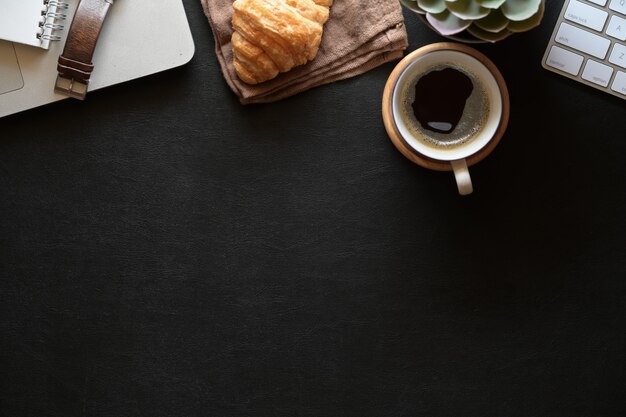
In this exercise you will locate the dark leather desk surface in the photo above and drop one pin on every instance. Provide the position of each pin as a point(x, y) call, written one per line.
point(168, 252)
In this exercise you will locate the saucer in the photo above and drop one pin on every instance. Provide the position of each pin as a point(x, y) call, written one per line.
point(396, 137)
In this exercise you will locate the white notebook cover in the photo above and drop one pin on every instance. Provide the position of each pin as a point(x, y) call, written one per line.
point(19, 21)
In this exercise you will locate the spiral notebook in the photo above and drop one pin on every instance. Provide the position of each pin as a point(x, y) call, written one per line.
point(31, 22)
point(139, 38)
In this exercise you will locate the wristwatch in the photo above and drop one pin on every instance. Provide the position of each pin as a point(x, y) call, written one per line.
point(75, 66)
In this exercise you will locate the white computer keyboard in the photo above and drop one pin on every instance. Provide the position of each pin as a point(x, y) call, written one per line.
point(588, 44)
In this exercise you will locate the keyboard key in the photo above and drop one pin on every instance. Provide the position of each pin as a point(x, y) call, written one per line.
point(617, 28)
point(618, 56)
point(564, 60)
point(589, 44)
point(619, 83)
point(597, 73)
point(582, 40)
point(586, 15)
point(618, 5)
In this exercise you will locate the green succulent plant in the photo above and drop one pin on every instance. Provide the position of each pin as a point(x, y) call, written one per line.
point(489, 20)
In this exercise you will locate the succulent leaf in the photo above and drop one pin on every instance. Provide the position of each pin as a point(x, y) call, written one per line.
point(532, 22)
point(488, 36)
point(432, 6)
point(518, 10)
point(467, 9)
point(491, 4)
point(494, 22)
point(447, 24)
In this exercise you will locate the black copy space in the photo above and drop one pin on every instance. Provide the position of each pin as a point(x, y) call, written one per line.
point(168, 252)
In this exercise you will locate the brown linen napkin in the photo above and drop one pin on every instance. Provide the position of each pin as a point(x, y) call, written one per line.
point(358, 36)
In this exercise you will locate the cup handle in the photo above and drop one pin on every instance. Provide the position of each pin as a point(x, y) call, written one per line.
point(462, 175)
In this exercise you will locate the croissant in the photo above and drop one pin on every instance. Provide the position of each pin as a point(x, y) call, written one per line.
point(273, 36)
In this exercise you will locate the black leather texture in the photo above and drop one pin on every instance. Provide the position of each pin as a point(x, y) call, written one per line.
point(166, 251)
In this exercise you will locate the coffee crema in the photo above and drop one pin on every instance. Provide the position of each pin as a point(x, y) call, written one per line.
point(445, 106)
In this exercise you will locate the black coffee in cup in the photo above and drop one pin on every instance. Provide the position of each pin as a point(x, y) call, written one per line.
point(445, 106)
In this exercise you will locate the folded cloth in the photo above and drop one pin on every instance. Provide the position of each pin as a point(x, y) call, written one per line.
point(358, 36)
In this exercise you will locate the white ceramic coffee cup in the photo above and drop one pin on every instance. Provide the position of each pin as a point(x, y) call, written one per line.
point(455, 158)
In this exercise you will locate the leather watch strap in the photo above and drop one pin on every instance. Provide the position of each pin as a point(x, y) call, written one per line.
point(75, 63)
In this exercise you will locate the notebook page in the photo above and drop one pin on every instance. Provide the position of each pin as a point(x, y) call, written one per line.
point(19, 21)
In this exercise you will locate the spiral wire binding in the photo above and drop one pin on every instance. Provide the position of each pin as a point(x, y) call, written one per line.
point(50, 15)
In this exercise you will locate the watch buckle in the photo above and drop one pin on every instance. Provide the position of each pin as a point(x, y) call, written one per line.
point(70, 87)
